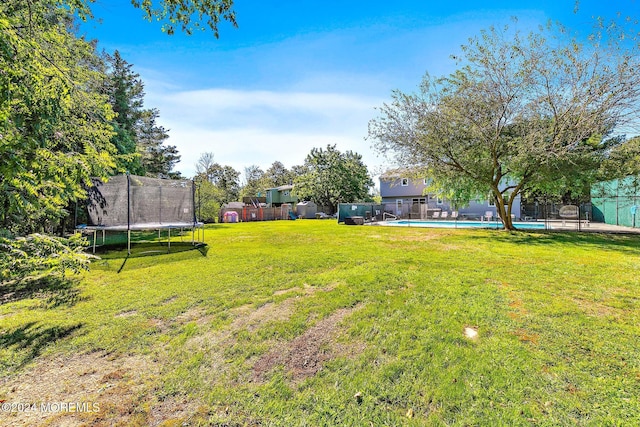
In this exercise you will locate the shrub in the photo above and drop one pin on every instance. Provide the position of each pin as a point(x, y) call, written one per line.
point(37, 256)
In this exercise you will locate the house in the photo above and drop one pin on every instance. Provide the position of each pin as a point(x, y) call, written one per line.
point(280, 195)
point(407, 197)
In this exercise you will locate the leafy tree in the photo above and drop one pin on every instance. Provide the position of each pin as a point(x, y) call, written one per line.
point(55, 125)
point(523, 114)
point(622, 160)
point(39, 256)
point(54, 136)
point(295, 171)
point(331, 177)
point(254, 182)
point(227, 179)
point(216, 185)
point(278, 175)
point(189, 15)
point(208, 198)
point(54, 131)
point(204, 166)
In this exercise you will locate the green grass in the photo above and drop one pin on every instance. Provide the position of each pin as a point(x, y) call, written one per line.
point(558, 317)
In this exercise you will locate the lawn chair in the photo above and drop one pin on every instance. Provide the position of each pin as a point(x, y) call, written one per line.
point(436, 215)
point(454, 215)
point(488, 215)
point(444, 215)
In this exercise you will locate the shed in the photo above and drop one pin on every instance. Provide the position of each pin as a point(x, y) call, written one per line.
point(306, 210)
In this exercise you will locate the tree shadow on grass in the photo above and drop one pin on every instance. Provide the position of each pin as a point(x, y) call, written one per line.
point(628, 243)
point(117, 259)
point(146, 249)
point(51, 292)
point(28, 341)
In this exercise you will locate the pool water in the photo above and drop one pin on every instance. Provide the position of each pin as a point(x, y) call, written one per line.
point(465, 224)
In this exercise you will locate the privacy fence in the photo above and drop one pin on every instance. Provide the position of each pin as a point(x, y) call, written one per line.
point(616, 202)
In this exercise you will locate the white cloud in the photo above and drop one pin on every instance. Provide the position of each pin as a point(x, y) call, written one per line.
point(244, 127)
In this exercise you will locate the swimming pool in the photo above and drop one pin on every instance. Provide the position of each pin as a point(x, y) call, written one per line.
point(464, 224)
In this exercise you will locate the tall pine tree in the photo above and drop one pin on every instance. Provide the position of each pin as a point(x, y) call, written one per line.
point(126, 96)
point(139, 140)
point(156, 158)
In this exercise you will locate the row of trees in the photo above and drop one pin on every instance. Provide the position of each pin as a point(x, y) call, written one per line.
point(327, 177)
point(67, 113)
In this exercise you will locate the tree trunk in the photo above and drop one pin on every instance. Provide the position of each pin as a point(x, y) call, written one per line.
point(503, 210)
point(508, 224)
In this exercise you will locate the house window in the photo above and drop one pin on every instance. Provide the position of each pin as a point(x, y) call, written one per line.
point(491, 202)
point(404, 182)
point(425, 181)
point(420, 201)
point(439, 200)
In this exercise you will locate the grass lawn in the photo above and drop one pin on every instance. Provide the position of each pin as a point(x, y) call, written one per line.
point(311, 323)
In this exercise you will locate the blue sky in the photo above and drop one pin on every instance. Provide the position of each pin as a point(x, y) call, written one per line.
point(301, 74)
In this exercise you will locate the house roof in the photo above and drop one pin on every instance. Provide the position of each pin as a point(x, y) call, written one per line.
point(282, 188)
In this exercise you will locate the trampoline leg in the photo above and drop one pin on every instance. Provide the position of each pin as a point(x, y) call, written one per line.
point(169, 239)
point(129, 242)
point(94, 240)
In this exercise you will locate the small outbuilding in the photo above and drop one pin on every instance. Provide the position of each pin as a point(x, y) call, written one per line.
point(230, 216)
point(306, 210)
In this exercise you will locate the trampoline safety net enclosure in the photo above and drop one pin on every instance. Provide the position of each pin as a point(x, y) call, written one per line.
point(129, 203)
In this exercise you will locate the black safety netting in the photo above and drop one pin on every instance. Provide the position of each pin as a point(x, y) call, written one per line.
point(135, 201)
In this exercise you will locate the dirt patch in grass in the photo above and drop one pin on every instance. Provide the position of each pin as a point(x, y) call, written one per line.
point(124, 388)
point(518, 310)
point(251, 318)
point(594, 309)
point(244, 317)
point(306, 289)
point(247, 316)
point(285, 291)
point(418, 236)
point(527, 337)
point(304, 356)
point(194, 314)
point(107, 389)
point(127, 313)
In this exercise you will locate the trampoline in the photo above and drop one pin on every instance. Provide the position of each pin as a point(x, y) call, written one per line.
point(129, 203)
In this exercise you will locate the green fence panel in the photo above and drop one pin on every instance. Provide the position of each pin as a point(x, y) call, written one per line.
point(616, 202)
point(365, 210)
point(597, 209)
